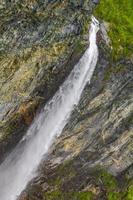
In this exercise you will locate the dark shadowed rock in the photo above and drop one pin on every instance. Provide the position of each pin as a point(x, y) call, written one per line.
point(96, 1)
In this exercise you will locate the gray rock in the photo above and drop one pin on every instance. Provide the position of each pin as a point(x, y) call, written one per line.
point(96, 1)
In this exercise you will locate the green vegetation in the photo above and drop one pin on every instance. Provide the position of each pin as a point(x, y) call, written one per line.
point(57, 195)
point(112, 186)
point(114, 196)
point(102, 185)
point(108, 180)
point(129, 193)
point(120, 17)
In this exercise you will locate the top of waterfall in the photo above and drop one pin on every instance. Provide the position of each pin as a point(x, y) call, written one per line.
point(94, 21)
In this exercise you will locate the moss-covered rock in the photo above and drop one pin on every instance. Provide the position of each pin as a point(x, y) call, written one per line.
point(72, 180)
point(57, 195)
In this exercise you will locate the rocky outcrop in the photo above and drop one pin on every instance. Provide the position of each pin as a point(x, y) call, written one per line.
point(40, 43)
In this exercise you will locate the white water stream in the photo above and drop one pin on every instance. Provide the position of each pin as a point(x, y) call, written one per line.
point(21, 164)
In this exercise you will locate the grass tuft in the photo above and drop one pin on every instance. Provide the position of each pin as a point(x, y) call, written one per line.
point(120, 17)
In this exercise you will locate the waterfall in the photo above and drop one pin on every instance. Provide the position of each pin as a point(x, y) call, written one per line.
point(21, 164)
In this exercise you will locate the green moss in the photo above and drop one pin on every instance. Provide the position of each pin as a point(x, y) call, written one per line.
point(108, 180)
point(58, 195)
point(113, 189)
point(120, 16)
point(129, 193)
point(114, 196)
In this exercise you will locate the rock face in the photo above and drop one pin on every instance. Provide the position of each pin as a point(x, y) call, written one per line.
point(97, 139)
point(40, 43)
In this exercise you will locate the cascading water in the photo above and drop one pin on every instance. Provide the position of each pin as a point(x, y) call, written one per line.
point(21, 164)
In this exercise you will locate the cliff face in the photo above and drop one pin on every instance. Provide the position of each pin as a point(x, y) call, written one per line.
point(97, 139)
point(40, 43)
